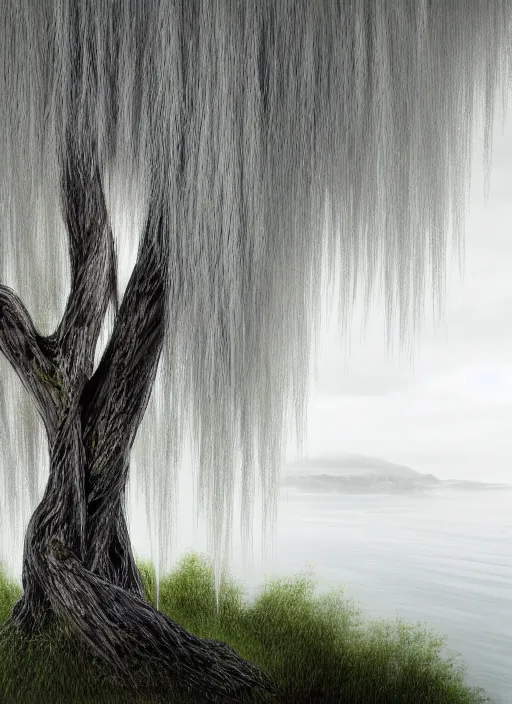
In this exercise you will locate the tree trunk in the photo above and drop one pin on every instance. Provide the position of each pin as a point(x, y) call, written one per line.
point(78, 564)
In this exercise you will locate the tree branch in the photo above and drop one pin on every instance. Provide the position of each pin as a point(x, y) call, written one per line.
point(93, 261)
point(32, 357)
point(115, 398)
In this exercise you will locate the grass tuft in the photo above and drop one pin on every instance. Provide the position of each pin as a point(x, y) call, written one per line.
point(318, 648)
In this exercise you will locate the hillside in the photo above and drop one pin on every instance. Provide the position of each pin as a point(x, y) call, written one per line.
point(349, 473)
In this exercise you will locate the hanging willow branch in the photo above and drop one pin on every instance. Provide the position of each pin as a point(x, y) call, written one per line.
point(279, 136)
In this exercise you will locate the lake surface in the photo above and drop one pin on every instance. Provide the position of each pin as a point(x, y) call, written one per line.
point(443, 559)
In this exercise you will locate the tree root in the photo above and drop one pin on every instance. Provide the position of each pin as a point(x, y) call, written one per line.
point(142, 646)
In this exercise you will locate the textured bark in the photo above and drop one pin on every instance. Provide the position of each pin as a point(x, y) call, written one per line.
point(78, 564)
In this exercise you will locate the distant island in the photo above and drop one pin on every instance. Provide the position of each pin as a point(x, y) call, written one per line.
point(357, 474)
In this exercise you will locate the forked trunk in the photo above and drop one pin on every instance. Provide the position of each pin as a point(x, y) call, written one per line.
point(78, 564)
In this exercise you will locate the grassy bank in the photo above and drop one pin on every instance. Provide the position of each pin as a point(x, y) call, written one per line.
point(318, 648)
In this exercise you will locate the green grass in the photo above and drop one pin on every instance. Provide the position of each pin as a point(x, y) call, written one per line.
point(318, 648)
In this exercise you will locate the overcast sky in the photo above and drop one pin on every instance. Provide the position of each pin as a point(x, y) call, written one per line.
point(450, 413)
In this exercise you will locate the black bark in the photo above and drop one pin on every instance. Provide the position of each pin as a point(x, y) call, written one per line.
point(78, 564)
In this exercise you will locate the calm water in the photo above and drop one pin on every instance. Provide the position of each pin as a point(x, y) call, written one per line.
point(445, 560)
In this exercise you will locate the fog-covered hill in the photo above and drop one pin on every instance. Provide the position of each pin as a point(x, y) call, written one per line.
point(345, 473)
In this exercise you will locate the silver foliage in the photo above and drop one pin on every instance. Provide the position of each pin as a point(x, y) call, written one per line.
point(285, 135)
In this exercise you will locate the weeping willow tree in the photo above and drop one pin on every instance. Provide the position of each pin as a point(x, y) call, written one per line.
point(244, 149)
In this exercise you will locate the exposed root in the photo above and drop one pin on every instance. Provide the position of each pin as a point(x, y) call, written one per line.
point(144, 648)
